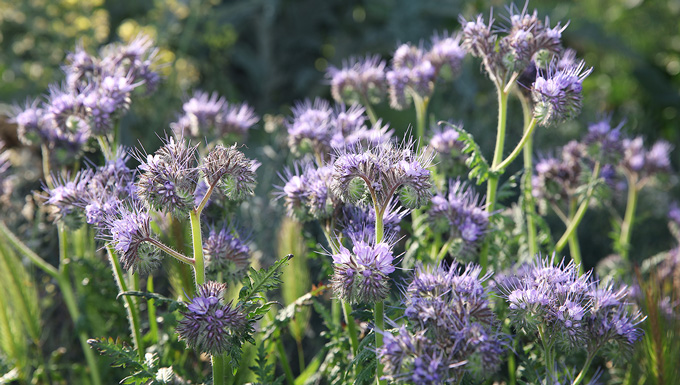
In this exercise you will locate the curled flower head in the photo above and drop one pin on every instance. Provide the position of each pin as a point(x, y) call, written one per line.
point(106, 99)
point(139, 58)
point(31, 125)
point(412, 74)
point(645, 163)
point(311, 125)
point(306, 191)
point(383, 171)
point(462, 213)
point(557, 180)
point(557, 93)
point(231, 171)
point(67, 196)
point(611, 323)
point(446, 53)
point(552, 297)
point(358, 79)
point(110, 185)
point(168, 177)
point(362, 274)
point(445, 141)
point(478, 39)
point(226, 252)
point(209, 325)
point(358, 221)
point(237, 119)
point(128, 230)
point(605, 141)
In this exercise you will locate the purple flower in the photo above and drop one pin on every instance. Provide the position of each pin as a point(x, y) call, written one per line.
point(606, 140)
point(461, 212)
point(230, 170)
point(226, 253)
point(128, 231)
point(383, 170)
point(412, 74)
point(168, 177)
point(611, 323)
point(109, 186)
point(312, 126)
point(360, 80)
point(209, 325)
point(646, 163)
point(107, 100)
point(362, 275)
point(478, 39)
point(237, 119)
point(558, 180)
point(446, 52)
point(550, 298)
point(138, 58)
point(445, 141)
point(32, 127)
point(358, 222)
point(557, 93)
point(67, 196)
point(306, 191)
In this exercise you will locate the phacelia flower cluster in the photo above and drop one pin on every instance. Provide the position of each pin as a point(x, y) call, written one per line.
point(168, 177)
point(360, 80)
point(362, 275)
point(645, 163)
point(318, 128)
point(453, 330)
point(382, 171)
point(358, 221)
point(411, 75)
point(557, 180)
point(306, 192)
point(461, 212)
point(209, 325)
point(231, 171)
point(556, 93)
point(226, 252)
point(552, 301)
point(211, 116)
point(511, 48)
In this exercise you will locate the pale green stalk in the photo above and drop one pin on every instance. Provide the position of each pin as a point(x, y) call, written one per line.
point(197, 242)
point(421, 116)
point(629, 216)
point(578, 216)
point(151, 304)
point(284, 362)
point(582, 373)
point(529, 206)
point(218, 368)
point(574, 247)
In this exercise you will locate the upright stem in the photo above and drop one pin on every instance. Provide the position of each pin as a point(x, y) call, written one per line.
point(284, 361)
point(627, 225)
point(47, 172)
point(369, 110)
point(151, 304)
point(218, 366)
point(379, 310)
point(492, 184)
point(529, 207)
point(574, 247)
point(576, 219)
point(131, 309)
point(199, 265)
point(27, 252)
point(582, 373)
point(421, 116)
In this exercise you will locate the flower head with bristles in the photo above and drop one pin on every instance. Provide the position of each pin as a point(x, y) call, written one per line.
point(209, 325)
point(412, 75)
point(306, 191)
point(168, 177)
point(383, 171)
point(362, 275)
point(557, 93)
point(230, 170)
point(312, 126)
point(358, 221)
point(446, 54)
point(359, 80)
point(226, 252)
point(66, 197)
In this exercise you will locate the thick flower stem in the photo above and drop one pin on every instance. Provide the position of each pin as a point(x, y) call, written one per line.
point(219, 368)
point(529, 206)
point(131, 309)
point(351, 326)
point(492, 183)
point(421, 116)
point(578, 216)
point(574, 247)
point(369, 109)
point(629, 216)
point(197, 239)
point(583, 372)
point(379, 330)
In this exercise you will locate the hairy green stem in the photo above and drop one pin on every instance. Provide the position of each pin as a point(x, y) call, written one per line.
point(351, 326)
point(582, 373)
point(529, 206)
point(421, 116)
point(151, 304)
point(578, 216)
point(130, 308)
point(175, 254)
point(492, 183)
point(218, 368)
point(197, 242)
point(379, 310)
point(574, 247)
point(529, 131)
point(301, 355)
point(629, 216)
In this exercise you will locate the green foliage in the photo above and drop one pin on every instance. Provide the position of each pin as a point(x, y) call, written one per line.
point(144, 372)
point(264, 371)
point(291, 241)
point(479, 167)
point(257, 282)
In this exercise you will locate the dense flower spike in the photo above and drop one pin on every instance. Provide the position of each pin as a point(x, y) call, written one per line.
point(557, 93)
point(461, 212)
point(209, 115)
point(359, 80)
point(611, 323)
point(551, 300)
point(209, 325)
point(230, 170)
point(66, 198)
point(358, 222)
point(226, 253)
point(446, 53)
point(605, 141)
point(450, 314)
point(362, 274)
point(128, 230)
point(109, 186)
point(385, 170)
point(168, 179)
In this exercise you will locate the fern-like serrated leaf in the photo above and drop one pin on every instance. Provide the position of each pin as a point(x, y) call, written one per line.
point(258, 282)
point(286, 315)
point(263, 371)
point(125, 357)
point(479, 167)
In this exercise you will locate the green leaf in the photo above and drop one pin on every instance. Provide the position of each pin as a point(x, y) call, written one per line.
point(126, 357)
point(258, 282)
point(265, 372)
point(287, 314)
point(479, 167)
point(173, 305)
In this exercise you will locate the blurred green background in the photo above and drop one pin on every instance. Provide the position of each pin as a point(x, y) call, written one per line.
point(271, 53)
